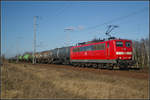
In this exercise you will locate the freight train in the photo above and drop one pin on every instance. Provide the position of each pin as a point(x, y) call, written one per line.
point(108, 53)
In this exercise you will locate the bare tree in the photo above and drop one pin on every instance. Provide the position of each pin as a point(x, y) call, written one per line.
point(141, 52)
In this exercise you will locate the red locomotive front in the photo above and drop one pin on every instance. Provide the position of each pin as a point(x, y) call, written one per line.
point(123, 49)
point(117, 51)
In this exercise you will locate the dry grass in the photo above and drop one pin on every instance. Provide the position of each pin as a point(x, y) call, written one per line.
point(28, 81)
point(22, 83)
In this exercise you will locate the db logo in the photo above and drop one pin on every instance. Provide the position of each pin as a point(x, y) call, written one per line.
point(85, 53)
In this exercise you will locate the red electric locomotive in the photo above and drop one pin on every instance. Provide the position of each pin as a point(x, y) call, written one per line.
point(115, 52)
point(109, 53)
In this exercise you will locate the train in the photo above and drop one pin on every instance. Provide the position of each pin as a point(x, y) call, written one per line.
point(106, 53)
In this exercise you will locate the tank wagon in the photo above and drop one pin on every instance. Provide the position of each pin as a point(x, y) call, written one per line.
point(27, 57)
point(61, 55)
point(43, 57)
point(38, 57)
point(20, 58)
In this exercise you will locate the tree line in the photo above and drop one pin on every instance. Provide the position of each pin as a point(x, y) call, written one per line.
point(141, 52)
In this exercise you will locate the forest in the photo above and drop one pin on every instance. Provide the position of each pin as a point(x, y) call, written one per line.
point(141, 52)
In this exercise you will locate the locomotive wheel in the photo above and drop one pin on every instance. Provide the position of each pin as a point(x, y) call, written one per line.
point(110, 67)
point(82, 65)
point(95, 66)
point(74, 65)
point(86, 65)
point(100, 66)
point(77, 65)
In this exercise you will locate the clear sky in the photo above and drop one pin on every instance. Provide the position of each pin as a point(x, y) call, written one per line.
point(87, 19)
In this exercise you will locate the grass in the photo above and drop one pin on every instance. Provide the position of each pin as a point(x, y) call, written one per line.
point(21, 83)
point(35, 81)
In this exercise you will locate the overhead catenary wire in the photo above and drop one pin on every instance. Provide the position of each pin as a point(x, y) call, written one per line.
point(116, 19)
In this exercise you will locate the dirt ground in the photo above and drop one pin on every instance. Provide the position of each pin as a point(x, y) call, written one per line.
point(63, 81)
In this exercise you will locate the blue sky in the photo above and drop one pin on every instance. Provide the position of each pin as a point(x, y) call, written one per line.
point(82, 17)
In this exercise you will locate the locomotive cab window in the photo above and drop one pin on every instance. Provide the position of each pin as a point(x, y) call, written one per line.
point(128, 44)
point(119, 44)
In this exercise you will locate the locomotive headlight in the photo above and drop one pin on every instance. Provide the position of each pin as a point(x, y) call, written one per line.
point(120, 57)
point(119, 53)
point(129, 53)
